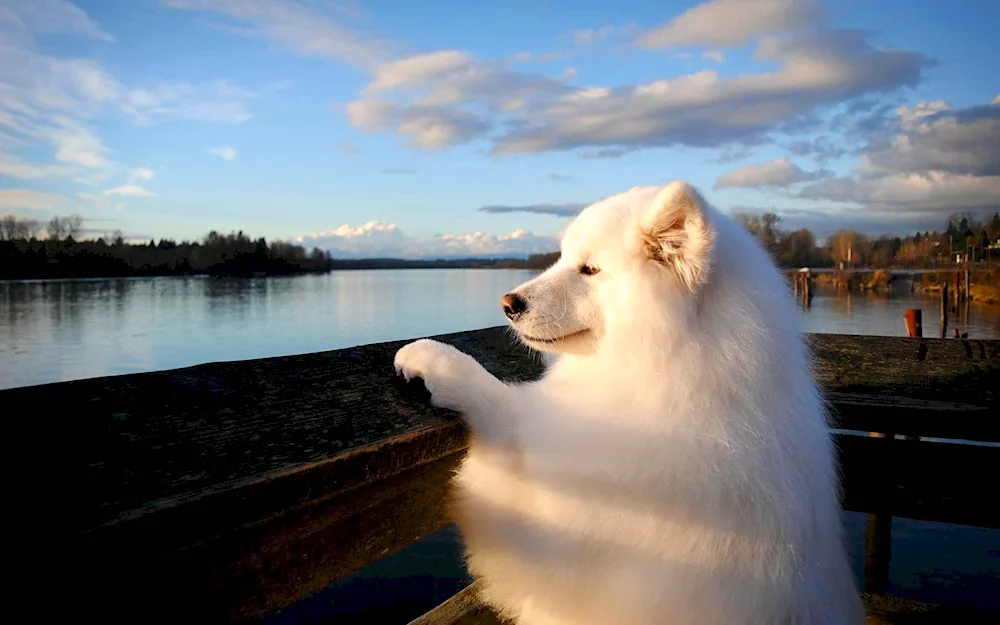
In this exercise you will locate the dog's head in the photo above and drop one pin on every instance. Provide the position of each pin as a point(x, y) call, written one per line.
point(625, 260)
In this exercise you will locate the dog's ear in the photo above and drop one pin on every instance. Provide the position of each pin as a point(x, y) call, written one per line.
point(677, 233)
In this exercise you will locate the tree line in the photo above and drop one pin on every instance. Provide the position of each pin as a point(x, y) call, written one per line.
point(62, 253)
point(963, 235)
point(56, 249)
point(29, 249)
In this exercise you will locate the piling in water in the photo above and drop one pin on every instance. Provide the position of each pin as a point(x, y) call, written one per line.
point(914, 322)
point(944, 310)
point(915, 328)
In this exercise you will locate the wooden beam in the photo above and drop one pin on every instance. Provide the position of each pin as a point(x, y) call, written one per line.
point(466, 609)
point(866, 412)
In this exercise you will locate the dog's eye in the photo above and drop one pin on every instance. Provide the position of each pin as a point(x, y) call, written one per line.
point(589, 270)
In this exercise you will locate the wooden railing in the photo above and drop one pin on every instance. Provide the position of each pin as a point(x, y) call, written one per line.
point(224, 492)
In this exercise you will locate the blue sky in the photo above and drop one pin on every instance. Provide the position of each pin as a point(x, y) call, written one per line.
point(407, 129)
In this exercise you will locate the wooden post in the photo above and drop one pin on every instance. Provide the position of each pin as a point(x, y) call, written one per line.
point(806, 286)
point(878, 532)
point(944, 310)
point(967, 298)
point(914, 322)
point(878, 551)
point(915, 328)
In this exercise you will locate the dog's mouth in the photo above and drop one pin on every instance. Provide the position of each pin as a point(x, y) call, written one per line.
point(558, 339)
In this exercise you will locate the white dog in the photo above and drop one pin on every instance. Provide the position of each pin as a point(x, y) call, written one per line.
point(674, 464)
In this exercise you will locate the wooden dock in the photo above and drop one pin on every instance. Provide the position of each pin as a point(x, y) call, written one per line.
point(225, 492)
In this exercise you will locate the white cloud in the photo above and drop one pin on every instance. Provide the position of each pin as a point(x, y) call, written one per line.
point(28, 199)
point(100, 201)
point(531, 57)
point(728, 23)
point(142, 173)
point(418, 69)
point(424, 127)
point(50, 17)
point(780, 172)
point(73, 144)
point(49, 102)
point(130, 190)
point(448, 97)
point(933, 137)
point(707, 110)
point(14, 167)
point(300, 27)
point(931, 191)
point(520, 242)
point(442, 98)
point(593, 36)
point(940, 160)
point(35, 82)
point(381, 239)
point(224, 152)
point(714, 55)
point(371, 115)
point(432, 129)
point(218, 102)
point(76, 144)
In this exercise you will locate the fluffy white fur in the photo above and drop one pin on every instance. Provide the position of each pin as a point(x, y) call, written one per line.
point(674, 465)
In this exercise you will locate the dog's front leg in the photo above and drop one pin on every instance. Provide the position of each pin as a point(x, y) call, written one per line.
point(457, 382)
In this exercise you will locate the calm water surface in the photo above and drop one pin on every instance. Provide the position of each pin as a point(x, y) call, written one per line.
point(52, 331)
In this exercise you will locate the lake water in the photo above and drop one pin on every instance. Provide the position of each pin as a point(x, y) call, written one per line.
point(53, 331)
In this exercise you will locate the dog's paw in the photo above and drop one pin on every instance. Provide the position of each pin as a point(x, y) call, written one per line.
point(427, 358)
point(441, 367)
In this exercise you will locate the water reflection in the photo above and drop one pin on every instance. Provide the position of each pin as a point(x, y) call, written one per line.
point(61, 330)
point(881, 313)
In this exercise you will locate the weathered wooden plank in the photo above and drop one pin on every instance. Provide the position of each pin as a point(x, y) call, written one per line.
point(888, 610)
point(465, 609)
point(244, 573)
point(148, 441)
point(949, 370)
point(868, 412)
point(462, 609)
point(923, 480)
point(251, 570)
point(241, 487)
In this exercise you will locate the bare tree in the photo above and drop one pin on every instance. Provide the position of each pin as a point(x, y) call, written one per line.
point(56, 229)
point(74, 226)
point(850, 247)
point(13, 228)
point(60, 228)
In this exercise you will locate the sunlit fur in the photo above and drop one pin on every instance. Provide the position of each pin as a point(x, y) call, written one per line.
point(673, 465)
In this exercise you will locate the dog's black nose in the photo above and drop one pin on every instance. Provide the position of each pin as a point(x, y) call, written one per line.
point(513, 305)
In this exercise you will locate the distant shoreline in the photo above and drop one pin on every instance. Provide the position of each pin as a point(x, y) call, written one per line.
point(537, 262)
point(49, 260)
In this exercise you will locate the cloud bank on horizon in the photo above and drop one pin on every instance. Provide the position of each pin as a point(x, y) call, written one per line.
point(440, 132)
